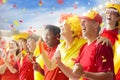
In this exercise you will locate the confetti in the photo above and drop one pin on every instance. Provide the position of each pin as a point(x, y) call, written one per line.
point(30, 27)
point(75, 6)
point(16, 23)
point(104, 60)
point(14, 6)
point(34, 30)
point(51, 12)
point(60, 1)
point(12, 26)
point(30, 32)
point(40, 3)
point(3, 1)
point(20, 21)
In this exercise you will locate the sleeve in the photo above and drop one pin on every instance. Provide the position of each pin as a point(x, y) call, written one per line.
point(104, 58)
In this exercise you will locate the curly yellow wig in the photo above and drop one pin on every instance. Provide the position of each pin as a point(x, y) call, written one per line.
point(74, 22)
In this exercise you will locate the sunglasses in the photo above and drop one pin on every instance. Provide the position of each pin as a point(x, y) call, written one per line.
point(112, 12)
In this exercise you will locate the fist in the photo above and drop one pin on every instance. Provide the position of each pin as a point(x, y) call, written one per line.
point(57, 56)
point(78, 70)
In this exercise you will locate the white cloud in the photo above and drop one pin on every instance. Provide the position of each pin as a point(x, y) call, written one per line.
point(35, 17)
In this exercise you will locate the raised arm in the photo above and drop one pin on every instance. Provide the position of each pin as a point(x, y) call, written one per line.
point(50, 63)
point(10, 67)
point(2, 68)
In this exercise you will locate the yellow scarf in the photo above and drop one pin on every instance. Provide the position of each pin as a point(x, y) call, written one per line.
point(69, 55)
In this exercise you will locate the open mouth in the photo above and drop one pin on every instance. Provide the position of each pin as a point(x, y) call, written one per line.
point(108, 18)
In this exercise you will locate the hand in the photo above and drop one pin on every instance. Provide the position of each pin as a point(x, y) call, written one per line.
point(36, 66)
point(57, 56)
point(78, 70)
point(103, 40)
point(4, 56)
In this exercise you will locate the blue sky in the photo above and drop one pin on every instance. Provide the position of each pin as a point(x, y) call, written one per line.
point(24, 14)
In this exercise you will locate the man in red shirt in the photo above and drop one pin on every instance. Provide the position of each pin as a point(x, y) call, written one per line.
point(95, 62)
point(52, 39)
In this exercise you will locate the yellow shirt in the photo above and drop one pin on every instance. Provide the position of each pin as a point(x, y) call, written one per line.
point(116, 50)
point(39, 60)
point(69, 55)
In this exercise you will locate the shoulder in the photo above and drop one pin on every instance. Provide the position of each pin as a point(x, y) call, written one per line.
point(104, 47)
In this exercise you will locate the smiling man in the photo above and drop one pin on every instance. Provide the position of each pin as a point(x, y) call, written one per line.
point(95, 62)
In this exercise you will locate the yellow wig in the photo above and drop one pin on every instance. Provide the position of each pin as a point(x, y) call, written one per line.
point(74, 22)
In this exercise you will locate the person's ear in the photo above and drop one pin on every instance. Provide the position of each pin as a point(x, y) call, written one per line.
point(57, 36)
point(96, 24)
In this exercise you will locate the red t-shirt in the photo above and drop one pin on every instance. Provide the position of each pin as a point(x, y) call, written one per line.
point(1, 62)
point(96, 58)
point(8, 75)
point(55, 74)
point(111, 34)
point(26, 71)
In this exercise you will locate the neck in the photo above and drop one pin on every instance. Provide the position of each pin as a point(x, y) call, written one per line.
point(69, 41)
point(111, 26)
point(92, 39)
point(54, 45)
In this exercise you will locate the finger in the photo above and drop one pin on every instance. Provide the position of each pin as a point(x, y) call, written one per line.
point(104, 43)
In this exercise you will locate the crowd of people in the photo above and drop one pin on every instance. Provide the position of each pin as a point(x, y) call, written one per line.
point(78, 49)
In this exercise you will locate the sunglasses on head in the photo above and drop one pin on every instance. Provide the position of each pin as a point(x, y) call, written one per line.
point(112, 11)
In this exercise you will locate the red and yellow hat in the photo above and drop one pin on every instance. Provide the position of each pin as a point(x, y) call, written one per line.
point(92, 15)
point(112, 5)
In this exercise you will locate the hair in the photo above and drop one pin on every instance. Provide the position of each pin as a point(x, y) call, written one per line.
point(54, 29)
point(18, 50)
point(74, 22)
point(117, 23)
point(34, 36)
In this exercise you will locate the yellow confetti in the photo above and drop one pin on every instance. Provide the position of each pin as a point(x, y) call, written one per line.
point(16, 23)
point(4, 1)
point(104, 60)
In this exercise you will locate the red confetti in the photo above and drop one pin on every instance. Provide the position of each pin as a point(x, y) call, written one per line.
point(34, 30)
point(20, 21)
point(40, 3)
point(51, 12)
point(14, 6)
point(30, 32)
point(60, 1)
point(75, 6)
point(12, 26)
point(1, 2)
point(30, 27)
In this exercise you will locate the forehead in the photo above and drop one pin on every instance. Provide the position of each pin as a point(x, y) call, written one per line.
point(112, 9)
point(86, 20)
point(48, 31)
point(12, 42)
